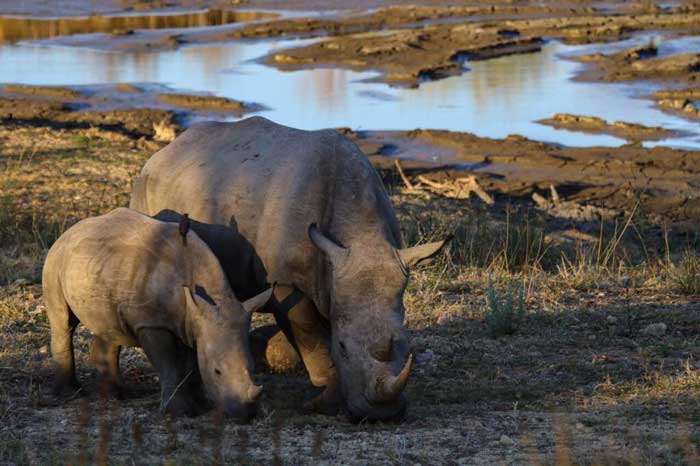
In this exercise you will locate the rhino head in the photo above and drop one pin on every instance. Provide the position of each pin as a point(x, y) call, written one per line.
point(223, 352)
point(369, 346)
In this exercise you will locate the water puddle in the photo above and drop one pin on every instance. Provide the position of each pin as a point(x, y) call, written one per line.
point(14, 29)
point(496, 98)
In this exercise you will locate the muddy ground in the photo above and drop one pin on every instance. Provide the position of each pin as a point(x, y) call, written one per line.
point(601, 369)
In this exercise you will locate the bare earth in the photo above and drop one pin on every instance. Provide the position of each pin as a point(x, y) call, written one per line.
point(602, 368)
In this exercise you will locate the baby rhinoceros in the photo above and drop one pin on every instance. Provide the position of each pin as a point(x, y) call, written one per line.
point(136, 281)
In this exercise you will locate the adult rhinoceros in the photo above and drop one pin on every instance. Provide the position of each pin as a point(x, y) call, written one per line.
point(319, 221)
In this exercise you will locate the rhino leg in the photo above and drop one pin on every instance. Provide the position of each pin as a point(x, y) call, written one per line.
point(105, 355)
point(161, 348)
point(63, 323)
point(195, 385)
point(304, 329)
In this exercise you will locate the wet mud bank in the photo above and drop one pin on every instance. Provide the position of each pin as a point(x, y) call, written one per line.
point(682, 102)
point(13, 29)
point(150, 111)
point(658, 181)
point(593, 125)
point(406, 57)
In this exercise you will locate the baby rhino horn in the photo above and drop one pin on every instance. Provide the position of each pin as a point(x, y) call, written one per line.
point(254, 392)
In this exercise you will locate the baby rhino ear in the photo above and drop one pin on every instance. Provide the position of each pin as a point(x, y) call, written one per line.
point(256, 302)
point(421, 253)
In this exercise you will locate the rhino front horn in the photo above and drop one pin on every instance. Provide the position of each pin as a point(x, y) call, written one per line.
point(392, 386)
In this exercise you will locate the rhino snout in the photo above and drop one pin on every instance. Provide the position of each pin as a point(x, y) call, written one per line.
point(361, 410)
point(242, 412)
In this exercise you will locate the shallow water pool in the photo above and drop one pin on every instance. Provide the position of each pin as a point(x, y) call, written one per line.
point(495, 98)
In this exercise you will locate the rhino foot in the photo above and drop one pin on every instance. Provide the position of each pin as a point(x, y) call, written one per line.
point(67, 389)
point(179, 406)
point(326, 403)
point(112, 389)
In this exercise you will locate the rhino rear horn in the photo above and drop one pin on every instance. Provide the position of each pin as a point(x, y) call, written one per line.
point(325, 244)
point(417, 254)
point(256, 302)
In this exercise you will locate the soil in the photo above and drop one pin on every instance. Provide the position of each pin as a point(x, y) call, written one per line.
point(601, 370)
point(131, 108)
point(13, 29)
point(660, 181)
point(406, 57)
point(621, 129)
point(682, 102)
point(641, 63)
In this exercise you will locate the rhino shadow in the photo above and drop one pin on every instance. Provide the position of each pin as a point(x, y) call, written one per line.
point(248, 277)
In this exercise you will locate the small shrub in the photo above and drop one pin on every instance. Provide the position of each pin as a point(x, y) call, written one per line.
point(686, 275)
point(503, 316)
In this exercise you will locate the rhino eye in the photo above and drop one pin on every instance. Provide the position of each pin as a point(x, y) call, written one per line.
point(217, 372)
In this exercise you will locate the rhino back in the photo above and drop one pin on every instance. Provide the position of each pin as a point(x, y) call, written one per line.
point(273, 181)
point(118, 273)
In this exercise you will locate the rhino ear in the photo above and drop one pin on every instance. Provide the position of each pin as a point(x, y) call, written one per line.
point(256, 302)
point(424, 252)
point(195, 302)
point(325, 244)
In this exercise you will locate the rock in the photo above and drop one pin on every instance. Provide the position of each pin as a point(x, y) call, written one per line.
point(21, 282)
point(579, 426)
point(424, 357)
point(44, 350)
point(656, 330)
point(506, 441)
point(612, 320)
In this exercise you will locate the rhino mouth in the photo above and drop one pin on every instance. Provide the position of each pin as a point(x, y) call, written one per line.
point(361, 409)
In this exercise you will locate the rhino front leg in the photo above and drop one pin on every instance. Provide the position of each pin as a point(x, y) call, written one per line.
point(298, 318)
point(105, 356)
point(161, 348)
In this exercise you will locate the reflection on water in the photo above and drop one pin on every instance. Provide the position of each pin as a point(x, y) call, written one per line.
point(13, 29)
point(496, 98)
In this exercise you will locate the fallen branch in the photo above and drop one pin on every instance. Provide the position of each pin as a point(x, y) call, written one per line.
point(403, 176)
point(461, 188)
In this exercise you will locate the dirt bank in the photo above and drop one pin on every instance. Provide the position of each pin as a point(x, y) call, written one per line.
point(660, 181)
point(683, 102)
point(123, 36)
point(408, 56)
point(621, 129)
point(642, 63)
point(14, 29)
point(134, 109)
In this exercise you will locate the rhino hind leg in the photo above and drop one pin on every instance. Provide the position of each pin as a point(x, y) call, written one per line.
point(63, 323)
point(161, 348)
point(305, 331)
point(105, 355)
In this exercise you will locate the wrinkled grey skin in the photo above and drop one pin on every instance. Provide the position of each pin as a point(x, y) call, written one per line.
point(132, 282)
point(319, 219)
